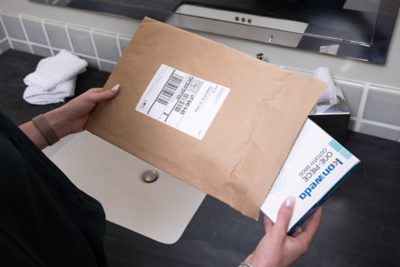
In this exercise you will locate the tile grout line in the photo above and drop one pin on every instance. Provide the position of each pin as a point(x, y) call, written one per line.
point(361, 108)
point(57, 22)
point(95, 48)
point(4, 39)
point(68, 37)
point(46, 36)
point(385, 88)
point(72, 25)
point(6, 31)
point(381, 124)
point(118, 45)
point(79, 54)
point(25, 33)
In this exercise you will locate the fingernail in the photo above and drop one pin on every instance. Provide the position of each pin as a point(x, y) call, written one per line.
point(115, 87)
point(289, 202)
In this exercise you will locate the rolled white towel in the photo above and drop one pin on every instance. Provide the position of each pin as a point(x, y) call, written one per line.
point(55, 69)
point(37, 96)
point(54, 79)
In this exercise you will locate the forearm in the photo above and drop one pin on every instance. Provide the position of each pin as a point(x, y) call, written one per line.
point(32, 131)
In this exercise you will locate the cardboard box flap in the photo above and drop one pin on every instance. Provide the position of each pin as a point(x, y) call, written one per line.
point(250, 136)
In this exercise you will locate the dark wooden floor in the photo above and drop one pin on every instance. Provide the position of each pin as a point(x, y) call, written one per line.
point(360, 224)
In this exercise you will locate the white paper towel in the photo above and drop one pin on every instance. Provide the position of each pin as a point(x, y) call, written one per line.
point(329, 97)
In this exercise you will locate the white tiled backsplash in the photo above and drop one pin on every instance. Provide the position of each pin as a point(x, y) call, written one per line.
point(47, 37)
point(375, 109)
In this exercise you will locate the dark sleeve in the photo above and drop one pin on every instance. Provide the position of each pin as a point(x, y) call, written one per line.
point(45, 220)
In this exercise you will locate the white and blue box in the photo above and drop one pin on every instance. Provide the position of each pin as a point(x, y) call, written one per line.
point(316, 165)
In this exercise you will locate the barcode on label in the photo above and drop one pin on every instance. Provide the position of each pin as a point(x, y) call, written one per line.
point(170, 88)
point(182, 102)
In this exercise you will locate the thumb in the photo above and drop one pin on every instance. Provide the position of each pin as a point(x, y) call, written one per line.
point(97, 95)
point(284, 215)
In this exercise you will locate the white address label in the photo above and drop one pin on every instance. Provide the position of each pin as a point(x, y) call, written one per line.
point(182, 101)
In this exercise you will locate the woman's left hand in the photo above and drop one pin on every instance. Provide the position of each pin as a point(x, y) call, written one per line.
point(72, 117)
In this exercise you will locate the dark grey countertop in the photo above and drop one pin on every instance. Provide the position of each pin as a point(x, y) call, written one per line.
point(360, 225)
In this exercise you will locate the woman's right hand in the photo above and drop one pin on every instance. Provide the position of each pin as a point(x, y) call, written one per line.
point(276, 248)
